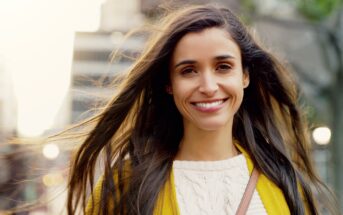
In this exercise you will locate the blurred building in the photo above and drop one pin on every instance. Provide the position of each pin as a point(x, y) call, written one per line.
point(93, 70)
point(7, 101)
point(7, 128)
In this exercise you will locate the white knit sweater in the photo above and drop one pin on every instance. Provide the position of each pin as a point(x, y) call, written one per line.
point(213, 187)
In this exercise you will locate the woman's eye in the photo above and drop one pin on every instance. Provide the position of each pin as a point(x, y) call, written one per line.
point(187, 71)
point(224, 67)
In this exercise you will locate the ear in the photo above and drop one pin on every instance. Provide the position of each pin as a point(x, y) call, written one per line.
point(246, 78)
point(169, 89)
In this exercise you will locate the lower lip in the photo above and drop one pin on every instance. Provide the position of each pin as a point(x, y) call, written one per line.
point(209, 109)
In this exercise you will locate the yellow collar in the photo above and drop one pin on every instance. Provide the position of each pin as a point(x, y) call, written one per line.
point(271, 196)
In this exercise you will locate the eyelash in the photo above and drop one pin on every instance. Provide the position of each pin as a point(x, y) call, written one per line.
point(219, 67)
point(187, 70)
point(226, 67)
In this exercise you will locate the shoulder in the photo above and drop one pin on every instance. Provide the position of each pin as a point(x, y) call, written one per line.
point(271, 195)
point(94, 200)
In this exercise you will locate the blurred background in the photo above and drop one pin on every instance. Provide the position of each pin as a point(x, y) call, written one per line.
point(55, 57)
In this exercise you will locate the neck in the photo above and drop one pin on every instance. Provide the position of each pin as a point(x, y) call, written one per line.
point(199, 144)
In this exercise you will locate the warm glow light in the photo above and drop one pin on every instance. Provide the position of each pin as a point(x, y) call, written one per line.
point(117, 37)
point(36, 39)
point(51, 151)
point(87, 14)
point(52, 179)
point(321, 135)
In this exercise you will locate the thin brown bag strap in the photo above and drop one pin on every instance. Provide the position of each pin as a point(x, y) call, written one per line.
point(249, 190)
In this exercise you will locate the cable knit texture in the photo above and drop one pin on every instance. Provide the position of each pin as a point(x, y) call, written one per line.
point(213, 187)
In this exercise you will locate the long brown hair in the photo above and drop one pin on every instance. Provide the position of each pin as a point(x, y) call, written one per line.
point(142, 124)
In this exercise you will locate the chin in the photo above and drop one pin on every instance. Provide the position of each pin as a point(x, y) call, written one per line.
point(213, 126)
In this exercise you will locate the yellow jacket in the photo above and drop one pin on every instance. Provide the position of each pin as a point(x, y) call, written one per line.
point(271, 196)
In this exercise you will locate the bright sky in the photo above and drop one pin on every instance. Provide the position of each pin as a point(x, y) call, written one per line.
point(36, 42)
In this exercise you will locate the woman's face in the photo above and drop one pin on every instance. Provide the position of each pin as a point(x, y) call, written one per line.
point(207, 79)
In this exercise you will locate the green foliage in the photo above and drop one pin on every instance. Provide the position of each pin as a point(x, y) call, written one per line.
point(317, 10)
point(248, 8)
point(248, 5)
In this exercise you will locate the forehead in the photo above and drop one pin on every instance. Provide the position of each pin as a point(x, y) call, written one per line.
point(205, 44)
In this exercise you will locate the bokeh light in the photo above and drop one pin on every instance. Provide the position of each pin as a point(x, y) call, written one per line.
point(52, 179)
point(51, 151)
point(322, 135)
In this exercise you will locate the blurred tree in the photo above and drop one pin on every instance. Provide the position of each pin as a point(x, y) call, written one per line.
point(325, 18)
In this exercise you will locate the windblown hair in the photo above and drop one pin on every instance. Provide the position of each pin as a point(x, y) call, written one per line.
point(142, 124)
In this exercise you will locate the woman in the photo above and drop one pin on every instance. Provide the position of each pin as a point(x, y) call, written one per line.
point(201, 108)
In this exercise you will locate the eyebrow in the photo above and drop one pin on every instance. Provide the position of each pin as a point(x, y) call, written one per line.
point(220, 57)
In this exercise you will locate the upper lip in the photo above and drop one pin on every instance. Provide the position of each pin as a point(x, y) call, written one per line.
point(209, 101)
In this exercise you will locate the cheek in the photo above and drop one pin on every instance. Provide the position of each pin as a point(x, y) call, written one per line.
point(179, 94)
point(234, 86)
point(180, 88)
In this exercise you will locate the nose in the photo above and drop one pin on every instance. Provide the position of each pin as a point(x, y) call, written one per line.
point(208, 84)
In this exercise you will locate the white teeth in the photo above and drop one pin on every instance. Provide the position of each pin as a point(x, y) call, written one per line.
point(209, 105)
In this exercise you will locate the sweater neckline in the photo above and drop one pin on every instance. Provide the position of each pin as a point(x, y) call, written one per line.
point(217, 165)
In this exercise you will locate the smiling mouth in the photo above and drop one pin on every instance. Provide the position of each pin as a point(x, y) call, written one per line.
point(208, 104)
